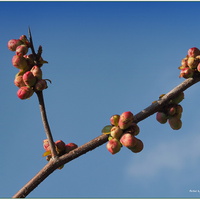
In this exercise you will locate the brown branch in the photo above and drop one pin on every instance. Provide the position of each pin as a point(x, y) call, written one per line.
point(59, 161)
point(46, 124)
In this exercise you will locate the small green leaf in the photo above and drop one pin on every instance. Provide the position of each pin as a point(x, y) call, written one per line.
point(46, 153)
point(106, 129)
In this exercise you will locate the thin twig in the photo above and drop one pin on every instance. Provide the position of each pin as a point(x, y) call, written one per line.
point(46, 124)
point(54, 164)
point(41, 100)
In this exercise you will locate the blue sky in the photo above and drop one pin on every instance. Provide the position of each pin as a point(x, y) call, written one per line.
point(104, 58)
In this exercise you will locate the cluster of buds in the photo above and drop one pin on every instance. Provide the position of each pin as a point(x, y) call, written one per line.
point(171, 113)
point(122, 132)
point(29, 78)
point(190, 64)
point(61, 149)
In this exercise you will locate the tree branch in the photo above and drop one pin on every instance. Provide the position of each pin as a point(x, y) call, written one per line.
point(46, 124)
point(59, 161)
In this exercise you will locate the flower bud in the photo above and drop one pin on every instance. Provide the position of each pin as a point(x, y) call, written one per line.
point(113, 146)
point(25, 41)
point(116, 132)
point(138, 147)
point(69, 147)
point(41, 85)
point(13, 44)
point(128, 140)
point(171, 110)
point(134, 129)
point(175, 123)
point(193, 52)
point(21, 50)
point(46, 145)
point(161, 117)
point(114, 120)
point(19, 81)
point(29, 79)
point(125, 120)
point(25, 92)
point(30, 60)
point(19, 62)
point(60, 146)
point(178, 99)
point(37, 72)
point(186, 73)
point(192, 62)
point(184, 63)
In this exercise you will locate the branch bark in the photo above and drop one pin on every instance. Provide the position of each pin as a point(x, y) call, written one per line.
point(100, 140)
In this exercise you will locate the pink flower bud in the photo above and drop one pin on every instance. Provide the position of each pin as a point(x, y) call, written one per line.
point(25, 92)
point(71, 146)
point(128, 140)
point(138, 147)
point(134, 129)
point(171, 110)
point(25, 41)
point(116, 132)
point(13, 44)
point(37, 72)
point(41, 85)
point(19, 81)
point(161, 117)
point(113, 146)
point(175, 123)
point(60, 146)
point(114, 120)
point(29, 79)
point(46, 145)
point(186, 73)
point(19, 62)
point(193, 52)
point(21, 50)
point(125, 120)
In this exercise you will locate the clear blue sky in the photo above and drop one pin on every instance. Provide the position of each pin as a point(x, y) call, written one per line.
point(104, 58)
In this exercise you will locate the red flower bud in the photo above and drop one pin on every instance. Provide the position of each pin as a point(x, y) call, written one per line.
point(41, 85)
point(60, 146)
point(128, 140)
point(37, 72)
point(19, 81)
point(25, 92)
point(71, 146)
point(193, 52)
point(113, 146)
point(21, 50)
point(186, 73)
point(29, 79)
point(19, 62)
point(125, 120)
point(13, 44)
